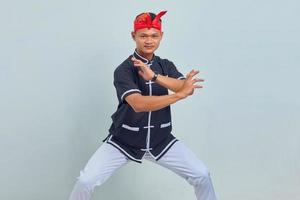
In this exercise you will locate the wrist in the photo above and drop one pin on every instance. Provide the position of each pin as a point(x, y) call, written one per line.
point(154, 77)
point(180, 95)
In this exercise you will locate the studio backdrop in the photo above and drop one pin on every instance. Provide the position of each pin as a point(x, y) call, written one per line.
point(56, 96)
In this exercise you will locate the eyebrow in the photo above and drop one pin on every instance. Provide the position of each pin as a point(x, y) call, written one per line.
point(145, 34)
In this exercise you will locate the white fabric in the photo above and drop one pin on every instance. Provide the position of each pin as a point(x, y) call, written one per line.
point(179, 159)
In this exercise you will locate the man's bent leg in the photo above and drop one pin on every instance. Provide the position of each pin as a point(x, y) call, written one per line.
point(184, 162)
point(99, 168)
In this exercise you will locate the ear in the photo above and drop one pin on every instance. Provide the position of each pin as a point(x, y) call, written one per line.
point(161, 34)
point(133, 35)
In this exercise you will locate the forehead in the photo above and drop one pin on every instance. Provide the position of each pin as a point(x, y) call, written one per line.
point(147, 31)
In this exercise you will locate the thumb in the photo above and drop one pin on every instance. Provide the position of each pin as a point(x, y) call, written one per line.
point(141, 73)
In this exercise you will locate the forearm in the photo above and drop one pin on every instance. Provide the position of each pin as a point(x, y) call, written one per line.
point(169, 83)
point(141, 103)
point(153, 103)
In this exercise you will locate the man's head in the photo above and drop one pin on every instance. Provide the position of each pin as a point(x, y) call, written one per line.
point(147, 32)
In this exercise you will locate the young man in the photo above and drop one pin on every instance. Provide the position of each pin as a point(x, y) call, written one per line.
point(141, 127)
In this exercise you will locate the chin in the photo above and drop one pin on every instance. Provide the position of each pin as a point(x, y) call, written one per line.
point(148, 51)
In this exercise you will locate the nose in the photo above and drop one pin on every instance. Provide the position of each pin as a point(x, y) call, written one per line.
point(148, 40)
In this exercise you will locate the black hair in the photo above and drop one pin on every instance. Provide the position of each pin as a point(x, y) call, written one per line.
point(152, 15)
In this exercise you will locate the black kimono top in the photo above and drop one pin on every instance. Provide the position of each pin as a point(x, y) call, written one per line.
point(134, 133)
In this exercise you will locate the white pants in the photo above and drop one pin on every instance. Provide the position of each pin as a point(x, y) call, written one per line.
point(179, 159)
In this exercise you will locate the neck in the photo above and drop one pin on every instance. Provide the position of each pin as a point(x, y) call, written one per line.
point(147, 56)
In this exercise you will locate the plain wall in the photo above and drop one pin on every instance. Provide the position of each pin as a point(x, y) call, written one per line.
point(56, 70)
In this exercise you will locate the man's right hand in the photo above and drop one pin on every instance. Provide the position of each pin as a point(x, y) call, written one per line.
point(190, 84)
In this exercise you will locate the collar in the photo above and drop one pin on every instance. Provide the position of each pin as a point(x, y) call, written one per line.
point(144, 60)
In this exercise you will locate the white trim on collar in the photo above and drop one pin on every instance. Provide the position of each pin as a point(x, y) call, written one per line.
point(135, 51)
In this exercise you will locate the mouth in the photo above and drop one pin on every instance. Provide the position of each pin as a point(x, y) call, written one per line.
point(149, 47)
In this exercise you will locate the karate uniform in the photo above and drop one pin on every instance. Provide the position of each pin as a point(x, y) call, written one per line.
point(144, 135)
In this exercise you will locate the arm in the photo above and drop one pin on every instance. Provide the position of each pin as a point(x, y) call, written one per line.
point(142, 103)
point(167, 82)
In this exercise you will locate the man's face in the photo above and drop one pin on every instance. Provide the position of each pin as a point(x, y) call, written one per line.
point(147, 40)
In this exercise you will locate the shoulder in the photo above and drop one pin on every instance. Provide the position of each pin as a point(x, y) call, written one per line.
point(125, 67)
point(165, 62)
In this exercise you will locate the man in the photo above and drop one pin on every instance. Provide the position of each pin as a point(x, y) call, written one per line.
point(141, 127)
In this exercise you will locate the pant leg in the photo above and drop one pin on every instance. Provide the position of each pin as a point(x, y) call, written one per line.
point(99, 168)
point(184, 162)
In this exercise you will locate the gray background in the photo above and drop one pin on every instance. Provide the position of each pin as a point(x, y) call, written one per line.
point(57, 59)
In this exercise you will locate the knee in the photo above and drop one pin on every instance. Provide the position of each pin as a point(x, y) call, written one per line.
point(87, 182)
point(201, 176)
point(90, 180)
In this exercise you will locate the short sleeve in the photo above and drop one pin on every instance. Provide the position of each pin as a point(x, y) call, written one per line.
point(173, 71)
point(124, 82)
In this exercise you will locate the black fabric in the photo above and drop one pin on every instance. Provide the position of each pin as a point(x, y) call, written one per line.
point(171, 69)
point(129, 130)
point(125, 80)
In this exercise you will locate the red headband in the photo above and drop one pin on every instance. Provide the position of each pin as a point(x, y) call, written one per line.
point(144, 21)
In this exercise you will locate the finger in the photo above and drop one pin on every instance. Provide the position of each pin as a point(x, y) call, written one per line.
point(195, 72)
point(139, 64)
point(133, 59)
point(187, 75)
point(192, 71)
point(138, 68)
point(190, 74)
point(198, 80)
point(198, 86)
point(141, 73)
point(136, 60)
